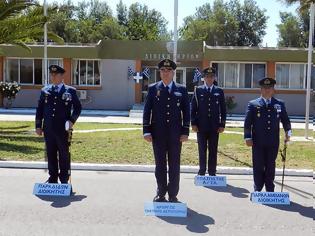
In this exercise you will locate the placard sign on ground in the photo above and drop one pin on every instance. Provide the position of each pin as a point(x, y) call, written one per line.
point(52, 189)
point(165, 209)
point(271, 198)
point(202, 180)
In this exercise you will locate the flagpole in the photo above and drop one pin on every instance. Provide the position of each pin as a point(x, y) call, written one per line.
point(309, 70)
point(175, 33)
point(45, 46)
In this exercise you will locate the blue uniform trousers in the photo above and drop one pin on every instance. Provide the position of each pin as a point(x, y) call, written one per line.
point(264, 164)
point(167, 149)
point(57, 142)
point(207, 140)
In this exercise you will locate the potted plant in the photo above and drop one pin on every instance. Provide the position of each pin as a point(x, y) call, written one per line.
point(230, 104)
point(8, 91)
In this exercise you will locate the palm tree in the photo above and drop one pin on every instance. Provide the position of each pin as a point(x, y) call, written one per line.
point(22, 22)
point(304, 4)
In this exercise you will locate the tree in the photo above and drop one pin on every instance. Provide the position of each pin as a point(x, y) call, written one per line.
point(22, 22)
point(145, 24)
point(226, 24)
point(122, 13)
point(62, 21)
point(304, 4)
point(293, 30)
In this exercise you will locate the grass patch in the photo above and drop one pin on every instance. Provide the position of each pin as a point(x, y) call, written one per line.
point(18, 142)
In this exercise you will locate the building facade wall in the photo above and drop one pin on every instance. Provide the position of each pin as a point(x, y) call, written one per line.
point(295, 103)
point(117, 92)
point(1, 77)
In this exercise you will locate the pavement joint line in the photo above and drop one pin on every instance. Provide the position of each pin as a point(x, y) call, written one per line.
point(148, 168)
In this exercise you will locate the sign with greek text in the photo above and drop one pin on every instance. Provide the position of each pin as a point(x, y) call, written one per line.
point(216, 181)
point(271, 198)
point(52, 189)
point(165, 209)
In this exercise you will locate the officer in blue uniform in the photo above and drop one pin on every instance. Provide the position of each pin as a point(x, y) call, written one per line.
point(166, 120)
point(58, 104)
point(208, 116)
point(261, 132)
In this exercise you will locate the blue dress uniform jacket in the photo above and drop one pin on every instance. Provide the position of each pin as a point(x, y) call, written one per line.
point(208, 113)
point(166, 117)
point(262, 126)
point(54, 109)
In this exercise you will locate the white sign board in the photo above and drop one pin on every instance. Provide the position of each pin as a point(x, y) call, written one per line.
point(271, 198)
point(52, 189)
point(165, 209)
point(218, 181)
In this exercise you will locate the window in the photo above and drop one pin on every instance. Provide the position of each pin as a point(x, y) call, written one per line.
point(239, 75)
point(27, 71)
point(12, 70)
point(86, 72)
point(290, 75)
point(189, 79)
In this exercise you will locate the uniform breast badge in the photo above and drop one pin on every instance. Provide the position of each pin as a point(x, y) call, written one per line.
point(67, 97)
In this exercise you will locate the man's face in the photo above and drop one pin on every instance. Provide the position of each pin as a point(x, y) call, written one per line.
point(209, 79)
point(166, 73)
point(56, 78)
point(267, 92)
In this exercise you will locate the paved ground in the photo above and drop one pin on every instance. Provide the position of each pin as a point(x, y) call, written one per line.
point(111, 203)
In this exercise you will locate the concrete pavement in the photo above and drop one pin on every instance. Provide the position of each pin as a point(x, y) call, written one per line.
point(111, 203)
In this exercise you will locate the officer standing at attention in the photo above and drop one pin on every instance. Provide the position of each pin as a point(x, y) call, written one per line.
point(261, 132)
point(208, 116)
point(58, 104)
point(166, 120)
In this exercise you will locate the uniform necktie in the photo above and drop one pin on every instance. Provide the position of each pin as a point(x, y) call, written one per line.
point(167, 89)
point(209, 90)
point(267, 102)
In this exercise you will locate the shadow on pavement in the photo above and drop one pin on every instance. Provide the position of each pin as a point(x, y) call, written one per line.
point(296, 207)
point(296, 191)
point(59, 202)
point(235, 191)
point(194, 221)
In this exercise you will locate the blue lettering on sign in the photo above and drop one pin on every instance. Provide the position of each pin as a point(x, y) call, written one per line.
point(165, 209)
point(52, 189)
point(275, 198)
point(210, 181)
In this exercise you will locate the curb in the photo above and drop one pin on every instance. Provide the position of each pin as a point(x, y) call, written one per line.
point(148, 168)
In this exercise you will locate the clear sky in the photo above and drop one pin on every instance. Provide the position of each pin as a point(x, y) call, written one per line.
point(188, 7)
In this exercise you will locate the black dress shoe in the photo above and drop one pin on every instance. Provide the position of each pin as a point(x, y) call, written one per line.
point(202, 174)
point(158, 198)
point(172, 199)
point(212, 174)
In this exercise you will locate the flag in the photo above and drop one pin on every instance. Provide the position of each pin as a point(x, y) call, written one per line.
point(146, 72)
point(197, 75)
point(130, 72)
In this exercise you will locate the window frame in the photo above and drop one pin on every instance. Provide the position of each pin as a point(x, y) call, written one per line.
point(292, 63)
point(238, 72)
point(86, 72)
point(5, 71)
